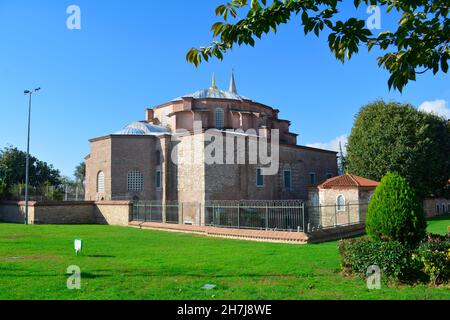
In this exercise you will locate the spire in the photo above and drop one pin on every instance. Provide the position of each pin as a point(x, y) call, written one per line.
point(213, 85)
point(232, 83)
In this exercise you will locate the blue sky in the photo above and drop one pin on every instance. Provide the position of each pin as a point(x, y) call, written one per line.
point(130, 55)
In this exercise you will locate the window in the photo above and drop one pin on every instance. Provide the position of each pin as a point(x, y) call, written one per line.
point(135, 181)
point(220, 118)
point(312, 178)
point(158, 179)
point(443, 208)
point(287, 179)
point(340, 203)
point(437, 208)
point(329, 175)
point(101, 182)
point(259, 178)
point(158, 158)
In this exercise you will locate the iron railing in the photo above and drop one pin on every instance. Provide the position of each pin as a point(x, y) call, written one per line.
point(261, 215)
point(267, 215)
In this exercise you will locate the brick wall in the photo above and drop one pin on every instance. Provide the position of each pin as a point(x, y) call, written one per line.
point(87, 212)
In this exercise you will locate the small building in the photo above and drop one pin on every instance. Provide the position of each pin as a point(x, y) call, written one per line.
point(435, 207)
point(438, 205)
point(340, 200)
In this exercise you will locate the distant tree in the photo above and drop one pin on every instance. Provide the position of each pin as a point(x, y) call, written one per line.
point(4, 191)
point(395, 213)
point(399, 138)
point(12, 169)
point(80, 173)
point(419, 44)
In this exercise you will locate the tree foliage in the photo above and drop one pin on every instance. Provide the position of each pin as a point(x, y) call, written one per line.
point(420, 43)
point(397, 137)
point(80, 173)
point(12, 169)
point(395, 213)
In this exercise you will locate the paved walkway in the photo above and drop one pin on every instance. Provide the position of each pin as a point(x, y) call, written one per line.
point(242, 234)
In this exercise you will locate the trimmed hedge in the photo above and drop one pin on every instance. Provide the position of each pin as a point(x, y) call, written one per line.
point(392, 257)
point(395, 213)
point(429, 262)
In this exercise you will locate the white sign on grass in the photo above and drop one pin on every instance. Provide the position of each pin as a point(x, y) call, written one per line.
point(78, 246)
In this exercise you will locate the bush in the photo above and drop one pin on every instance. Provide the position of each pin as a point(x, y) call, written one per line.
point(395, 213)
point(4, 190)
point(433, 257)
point(392, 257)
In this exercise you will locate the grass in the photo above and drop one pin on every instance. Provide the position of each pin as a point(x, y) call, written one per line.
point(126, 263)
point(439, 225)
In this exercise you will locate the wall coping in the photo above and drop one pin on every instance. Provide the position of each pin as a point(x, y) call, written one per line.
point(65, 203)
point(112, 203)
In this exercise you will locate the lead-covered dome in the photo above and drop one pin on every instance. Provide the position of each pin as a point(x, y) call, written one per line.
point(142, 128)
point(215, 93)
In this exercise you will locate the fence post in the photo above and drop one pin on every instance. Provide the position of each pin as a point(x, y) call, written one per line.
point(181, 221)
point(239, 215)
point(348, 213)
point(303, 216)
point(267, 217)
point(335, 215)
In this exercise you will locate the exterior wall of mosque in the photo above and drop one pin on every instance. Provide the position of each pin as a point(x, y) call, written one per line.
point(237, 115)
point(98, 161)
point(187, 178)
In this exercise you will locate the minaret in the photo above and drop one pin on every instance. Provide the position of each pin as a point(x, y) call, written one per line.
point(232, 83)
point(213, 85)
point(341, 161)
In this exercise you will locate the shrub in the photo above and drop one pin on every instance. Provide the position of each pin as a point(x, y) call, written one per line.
point(395, 212)
point(392, 257)
point(433, 257)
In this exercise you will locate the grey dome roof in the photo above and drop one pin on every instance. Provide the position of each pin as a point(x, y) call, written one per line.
point(142, 128)
point(213, 93)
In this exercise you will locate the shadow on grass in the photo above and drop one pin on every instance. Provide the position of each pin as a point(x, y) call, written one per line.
point(440, 218)
point(99, 256)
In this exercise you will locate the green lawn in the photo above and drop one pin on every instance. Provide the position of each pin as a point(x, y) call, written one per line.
point(126, 263)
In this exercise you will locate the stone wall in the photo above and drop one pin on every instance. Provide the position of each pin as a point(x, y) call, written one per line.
point(115, 213)
point(88, 212)
point(11, 212)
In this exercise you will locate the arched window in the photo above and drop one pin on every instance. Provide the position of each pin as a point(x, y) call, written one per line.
point(340, 203)
point(135, 181)
point(220, 118)
point(158, 158)
point(100, 182)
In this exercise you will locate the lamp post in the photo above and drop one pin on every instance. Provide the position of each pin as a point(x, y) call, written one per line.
point(27, 165)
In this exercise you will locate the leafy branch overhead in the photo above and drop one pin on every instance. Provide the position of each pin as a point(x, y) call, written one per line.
point(420, 43)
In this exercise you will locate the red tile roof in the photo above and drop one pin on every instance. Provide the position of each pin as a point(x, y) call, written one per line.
point(348, 180)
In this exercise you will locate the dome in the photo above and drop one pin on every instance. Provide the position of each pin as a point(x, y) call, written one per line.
point(212, 93)
point(215, 93)
point(142, 128)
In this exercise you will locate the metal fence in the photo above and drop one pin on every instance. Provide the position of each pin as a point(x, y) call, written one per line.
point(267, 215)
point(48, 193)
point(331, 216)
point(261, 215)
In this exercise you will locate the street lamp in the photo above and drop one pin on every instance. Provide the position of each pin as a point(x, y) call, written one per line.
point(27, 169)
